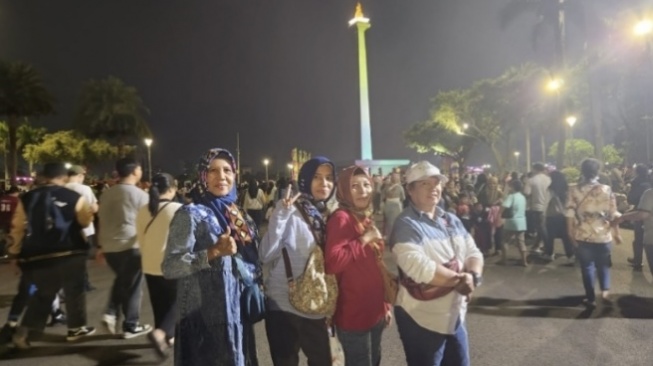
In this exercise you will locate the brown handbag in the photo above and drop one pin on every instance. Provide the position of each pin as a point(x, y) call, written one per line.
point(390, 285)
point(426, 292)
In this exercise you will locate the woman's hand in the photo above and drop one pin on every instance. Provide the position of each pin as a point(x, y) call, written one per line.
point(226, 245)
point(288, 201)
point(388, 318)
point(371, 235)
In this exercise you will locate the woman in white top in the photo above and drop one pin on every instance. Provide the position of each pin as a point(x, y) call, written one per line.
point(152, 226)
point(255, 202)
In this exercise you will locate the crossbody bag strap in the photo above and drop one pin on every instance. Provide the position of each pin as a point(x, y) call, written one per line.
point(155, 215)
point(306, 218)
point(286, 263)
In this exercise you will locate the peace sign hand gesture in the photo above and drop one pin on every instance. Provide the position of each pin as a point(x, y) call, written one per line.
point(288, 201)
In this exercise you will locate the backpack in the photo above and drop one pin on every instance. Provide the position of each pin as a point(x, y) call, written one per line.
point(46, 224)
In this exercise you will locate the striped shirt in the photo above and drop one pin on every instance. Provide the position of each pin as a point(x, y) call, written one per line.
point(420, 244)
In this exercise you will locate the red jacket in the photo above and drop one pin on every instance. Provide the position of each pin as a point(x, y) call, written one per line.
point(360, 284)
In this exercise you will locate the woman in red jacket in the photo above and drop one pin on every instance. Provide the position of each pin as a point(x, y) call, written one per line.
point(353, 244)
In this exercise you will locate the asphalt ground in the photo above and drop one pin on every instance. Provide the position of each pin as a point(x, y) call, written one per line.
point(520, 316)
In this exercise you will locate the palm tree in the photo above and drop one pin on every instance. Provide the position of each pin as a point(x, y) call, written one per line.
point(22, 95)
point(111, 110)
point(550, 14)
point(29, 135)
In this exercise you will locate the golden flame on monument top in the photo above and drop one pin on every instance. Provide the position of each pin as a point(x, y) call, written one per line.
point(358, 16)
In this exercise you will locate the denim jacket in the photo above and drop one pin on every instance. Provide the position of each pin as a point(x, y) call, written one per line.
point(210, 330)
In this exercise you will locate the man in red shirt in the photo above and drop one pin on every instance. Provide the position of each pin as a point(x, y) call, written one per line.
point(8, 203)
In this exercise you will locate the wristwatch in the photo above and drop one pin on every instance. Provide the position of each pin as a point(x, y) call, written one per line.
point(478, 279)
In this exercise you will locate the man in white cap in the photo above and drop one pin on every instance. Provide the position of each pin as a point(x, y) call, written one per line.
point(440, 266)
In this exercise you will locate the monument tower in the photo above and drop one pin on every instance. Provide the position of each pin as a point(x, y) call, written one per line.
point(362, 25)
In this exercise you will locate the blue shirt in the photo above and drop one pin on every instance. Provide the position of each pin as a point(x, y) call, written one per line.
point(516, 202)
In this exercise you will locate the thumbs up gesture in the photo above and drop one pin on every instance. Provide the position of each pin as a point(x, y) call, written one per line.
point(226, 245)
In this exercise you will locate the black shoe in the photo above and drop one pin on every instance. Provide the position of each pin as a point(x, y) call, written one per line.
point(82, 332)
point(631, 261)
point(135, 331)
point(6, 333)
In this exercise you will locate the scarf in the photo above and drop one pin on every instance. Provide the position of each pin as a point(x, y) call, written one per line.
point(343, 192)
point(224, 207)
point(313, 211)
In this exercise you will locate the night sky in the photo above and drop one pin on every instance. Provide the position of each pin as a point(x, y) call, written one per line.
point(282, 73)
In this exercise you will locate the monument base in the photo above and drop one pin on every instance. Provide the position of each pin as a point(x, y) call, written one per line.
point(384, 166)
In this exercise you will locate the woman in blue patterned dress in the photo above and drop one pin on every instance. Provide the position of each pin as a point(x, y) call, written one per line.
point(205, 237)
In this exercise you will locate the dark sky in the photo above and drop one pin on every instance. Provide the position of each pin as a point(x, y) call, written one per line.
point(282, 73)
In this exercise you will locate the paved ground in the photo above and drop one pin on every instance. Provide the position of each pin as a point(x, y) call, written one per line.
point(518, 317)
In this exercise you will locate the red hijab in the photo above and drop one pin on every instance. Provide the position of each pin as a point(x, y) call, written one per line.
point(343, 192)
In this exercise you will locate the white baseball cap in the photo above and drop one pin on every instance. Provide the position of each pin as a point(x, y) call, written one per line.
point(424, 170)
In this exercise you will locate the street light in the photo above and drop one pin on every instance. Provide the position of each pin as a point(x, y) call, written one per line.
point(571, 121)
point(266, 162)
point(517, 153)
point(554, 84)
point(643, 28)
point(148, 143)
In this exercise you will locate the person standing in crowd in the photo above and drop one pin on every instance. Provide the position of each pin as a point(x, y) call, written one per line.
point(555, 220)
point(536, 190)
point(377, 179)
point(515, 225)
point(491, 197)
point(52, 256)
point(644, 214)
point(638, 186)
point(8, 203)
point(591, 221)
point(204, 241)
point(353, 248)
point(290, 230)
point(119, 245)
point(433, 248)
point(393, 202)
point(254, 202)
point(76, 176)
point(152, 225)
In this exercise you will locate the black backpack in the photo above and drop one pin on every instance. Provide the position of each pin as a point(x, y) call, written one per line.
point(46, 224)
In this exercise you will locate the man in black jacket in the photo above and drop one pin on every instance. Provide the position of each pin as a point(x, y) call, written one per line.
point(638, 186)
point(46, 238)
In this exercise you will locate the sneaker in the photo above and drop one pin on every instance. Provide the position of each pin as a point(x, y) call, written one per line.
point(135, 331)
point(57, 317)
point(78, 333)
point(109, 323)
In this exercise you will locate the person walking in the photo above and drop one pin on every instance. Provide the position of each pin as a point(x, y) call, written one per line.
point(591, 221)
point(152, 227)
point(536, 191)
point(554, 218)
point(119, 245)
point(46, 238)
point(514, 227)
point(638, 186)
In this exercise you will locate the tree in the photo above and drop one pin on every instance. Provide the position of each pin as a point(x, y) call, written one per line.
point(28, 135)
point(111, 110)
point(22, 95)
point(70, 146)
point(574, 151)
point(550, 14)
point(612, 155)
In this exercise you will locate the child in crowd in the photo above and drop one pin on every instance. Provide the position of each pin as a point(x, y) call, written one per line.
point(463, 211)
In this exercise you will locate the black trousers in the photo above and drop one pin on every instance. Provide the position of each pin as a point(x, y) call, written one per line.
point(49, 276)
point(288, 333)
point(257, 216)
point(163, 296)
point(556, 227)
point(638, 242)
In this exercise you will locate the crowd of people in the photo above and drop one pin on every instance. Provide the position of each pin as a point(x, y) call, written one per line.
point(319, 266)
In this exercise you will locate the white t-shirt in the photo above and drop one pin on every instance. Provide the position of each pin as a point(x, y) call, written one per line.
point(153, 242)
point(86, 192)
point(537, 190)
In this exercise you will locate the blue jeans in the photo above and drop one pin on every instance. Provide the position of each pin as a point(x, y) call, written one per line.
point(362, 348)
point(424, 347)
point(594, 259)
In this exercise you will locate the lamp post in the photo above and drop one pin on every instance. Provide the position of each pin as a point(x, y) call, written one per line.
point(555, 85)
point(266, 162)
point(148, 143)
point(517, 153)
point(644, 29)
